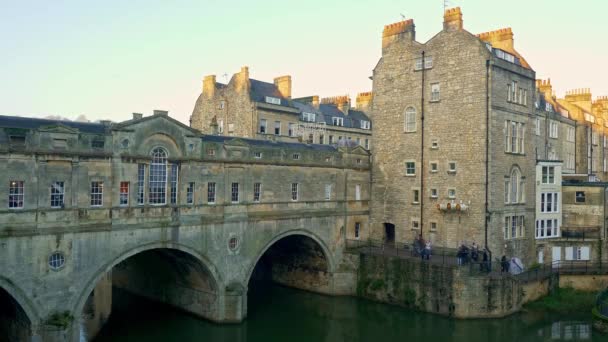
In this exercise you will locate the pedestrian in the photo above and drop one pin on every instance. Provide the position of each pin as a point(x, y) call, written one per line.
point(427, 250)
point(504, 264)
point(485, 265)
point(475, 252)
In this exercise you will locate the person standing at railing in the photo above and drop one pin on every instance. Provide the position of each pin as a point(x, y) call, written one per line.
point(504, 264)
point(427, 250)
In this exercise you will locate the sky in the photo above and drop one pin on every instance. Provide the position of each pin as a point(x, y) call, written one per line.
point(108, 59)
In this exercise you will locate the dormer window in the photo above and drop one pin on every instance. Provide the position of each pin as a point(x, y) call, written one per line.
point(273, 100)
point(310, 117)
point(296, 156)
point(337, 121)
point(365, 124)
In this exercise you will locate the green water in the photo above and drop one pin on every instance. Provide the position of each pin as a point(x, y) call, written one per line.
point(282, 314)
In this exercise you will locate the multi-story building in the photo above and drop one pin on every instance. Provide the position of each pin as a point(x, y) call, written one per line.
point(591, 140)
point(458, 165)
point(250, 108)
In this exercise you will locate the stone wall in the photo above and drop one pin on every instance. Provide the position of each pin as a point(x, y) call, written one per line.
point(448, 291)
point(589, 283)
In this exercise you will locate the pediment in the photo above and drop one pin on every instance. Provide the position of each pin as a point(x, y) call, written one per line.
point(236, 143)
point(58, 128)
point(358, 150)
point(154, 120)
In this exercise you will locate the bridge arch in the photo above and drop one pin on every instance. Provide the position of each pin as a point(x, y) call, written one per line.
point(215, 279)
point(17, 314)
point(306, 236)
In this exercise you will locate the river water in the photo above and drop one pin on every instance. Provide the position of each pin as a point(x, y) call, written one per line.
point(283, 314)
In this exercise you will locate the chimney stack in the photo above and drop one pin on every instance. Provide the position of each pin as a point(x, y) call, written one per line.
point(158, 112)
point(341, 102)
point(403, 30)
point(137, 116)
point(452, 19)
point(209, 86)
point(283, 83)
point(363, 101)
point(315, 101)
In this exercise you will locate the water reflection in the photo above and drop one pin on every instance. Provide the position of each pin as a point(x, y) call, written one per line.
point(281, 314)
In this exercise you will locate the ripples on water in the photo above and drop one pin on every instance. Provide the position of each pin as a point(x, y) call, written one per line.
point(282, 314)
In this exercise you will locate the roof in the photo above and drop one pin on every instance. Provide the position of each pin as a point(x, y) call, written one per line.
point(260, 89)
point(35, 123)
point(269, 143)
point(329, 111)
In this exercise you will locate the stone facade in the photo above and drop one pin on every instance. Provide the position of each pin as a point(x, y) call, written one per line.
point(60, 241)
point(461, 113)
point(250, 108)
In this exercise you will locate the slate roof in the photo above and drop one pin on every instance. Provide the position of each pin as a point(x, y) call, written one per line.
point(35, 123)
point(259, 91)
point(328, 111)
point(268, 143)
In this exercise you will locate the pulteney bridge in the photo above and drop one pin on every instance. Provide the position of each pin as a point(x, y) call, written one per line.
point(155, 208)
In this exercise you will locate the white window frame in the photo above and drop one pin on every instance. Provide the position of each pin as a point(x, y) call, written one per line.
point(410, 171)
point(357, 192)
point(295, 191)
point(141, 184)
point(257, 192)
point(553, 129)
point(309, 117)
point(272, 100)
point(548, 175)
point(211, 192)
point(257, 155)
point(158, 177)
point(96, 194)
point(537, 126)
point(435, 92)
point(277, 128)
point(410, 120)
point(263, 126)
point(57, 194)
point(434, 193)
point(190, 193)
point(365, 124)
point(123, 196)
point(327, 192)
point(16, 194)
point(451, 193)
point(337, 121)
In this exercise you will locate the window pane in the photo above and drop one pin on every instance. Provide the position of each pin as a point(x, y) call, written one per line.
point(158, 177)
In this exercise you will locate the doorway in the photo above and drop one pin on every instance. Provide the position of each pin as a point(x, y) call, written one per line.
point(389, 233)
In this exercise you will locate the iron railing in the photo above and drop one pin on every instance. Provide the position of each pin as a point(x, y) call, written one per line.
point(601, 304)
point(449, 257)
point(580, 233)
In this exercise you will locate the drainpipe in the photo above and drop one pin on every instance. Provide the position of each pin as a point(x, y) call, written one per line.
point(487, 212)
point(421, 192)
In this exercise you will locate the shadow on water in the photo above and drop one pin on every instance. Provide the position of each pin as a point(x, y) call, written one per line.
point(281, 314)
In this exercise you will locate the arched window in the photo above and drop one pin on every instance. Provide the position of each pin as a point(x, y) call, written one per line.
point(158, 176)
point(410, 119)
point(514, 187)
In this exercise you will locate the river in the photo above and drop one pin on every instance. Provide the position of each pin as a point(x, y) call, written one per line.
point(283, 314)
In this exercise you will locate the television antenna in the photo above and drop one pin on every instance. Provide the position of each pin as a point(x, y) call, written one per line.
point(402, 16)
point(446, 4)
point(225, 77)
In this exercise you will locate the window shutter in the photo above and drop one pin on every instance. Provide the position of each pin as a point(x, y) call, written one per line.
point(569, 253)
point(585, 253)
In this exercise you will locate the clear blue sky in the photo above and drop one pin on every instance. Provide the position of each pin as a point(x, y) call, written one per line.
point(106, 59)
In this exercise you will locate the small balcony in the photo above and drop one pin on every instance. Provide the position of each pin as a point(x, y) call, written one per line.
point(581, 232)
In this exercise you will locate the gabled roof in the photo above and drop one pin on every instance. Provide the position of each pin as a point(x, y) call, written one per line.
point(267, 143)
point(260, 89)
point(35, 123)
point(328, 111)
point(126, 124)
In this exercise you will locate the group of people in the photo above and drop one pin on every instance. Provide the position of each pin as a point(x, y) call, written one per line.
point(422, 248)
point(467, 254)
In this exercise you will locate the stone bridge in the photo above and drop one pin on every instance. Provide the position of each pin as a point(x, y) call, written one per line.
point(227, 219)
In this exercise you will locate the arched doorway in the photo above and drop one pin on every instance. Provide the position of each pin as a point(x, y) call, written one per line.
point(169, 276)
point(296, 261)
point(14, 322)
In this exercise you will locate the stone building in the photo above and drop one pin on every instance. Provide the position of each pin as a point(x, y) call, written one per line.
point(591, 133)
point(250, 108)
point(155, 207)
point(457, 166)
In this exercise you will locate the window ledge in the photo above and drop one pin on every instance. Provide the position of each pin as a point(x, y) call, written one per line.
point(452, 172)
point(410, 175)
point(434, 101)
